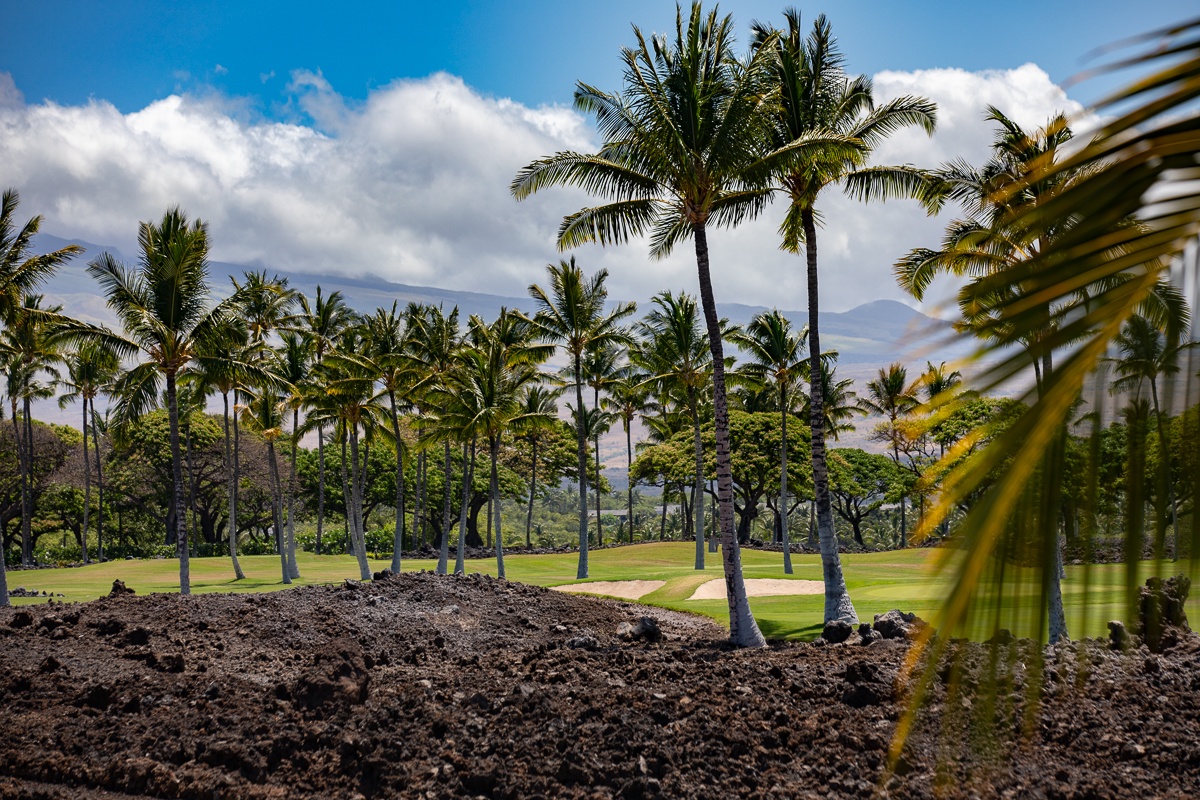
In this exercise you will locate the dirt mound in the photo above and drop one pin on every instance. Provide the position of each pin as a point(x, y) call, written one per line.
point(424, 686)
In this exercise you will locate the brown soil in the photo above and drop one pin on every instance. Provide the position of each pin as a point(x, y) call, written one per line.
point(421, 686)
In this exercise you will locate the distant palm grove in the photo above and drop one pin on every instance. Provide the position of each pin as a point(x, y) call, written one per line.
point(270, 421)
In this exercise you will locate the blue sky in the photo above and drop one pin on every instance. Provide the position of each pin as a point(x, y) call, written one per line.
point(355, 138)
point(131, 52)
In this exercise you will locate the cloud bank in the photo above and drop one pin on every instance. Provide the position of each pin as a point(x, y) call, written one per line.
point(412, 185)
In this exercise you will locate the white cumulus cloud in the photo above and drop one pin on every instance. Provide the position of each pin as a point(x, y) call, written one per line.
point(411, 184)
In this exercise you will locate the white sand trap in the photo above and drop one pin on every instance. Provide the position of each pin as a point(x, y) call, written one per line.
point(627, 590)
point(759, 587)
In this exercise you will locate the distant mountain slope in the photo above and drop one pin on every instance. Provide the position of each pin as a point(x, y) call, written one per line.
point(866, 337)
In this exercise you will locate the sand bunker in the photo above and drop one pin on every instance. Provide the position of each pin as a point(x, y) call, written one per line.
point(627, 590)
point(759, 587)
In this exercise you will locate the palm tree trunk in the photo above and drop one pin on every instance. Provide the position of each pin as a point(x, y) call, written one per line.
point(837, 599)
point(1166, 462)
point(87, 484)
point(444, 547)
point(743, 630)
point(191, 470)
point(235, 486)
point(4, 602)
point(99, 485)
point(698, 485)
point(419, 508)
point(629, 476)
point(25, 463)
point(293, 566)
point(277, 512)
point(532, 487)
point(582, 572)
point(783, 487)
point(356, 491)
point(229, 471)
point(320, 484)
point(181, 535)
point(495, 489)
point(662, 525)
point(596, 446)
point(398, 534)
point(468, 471)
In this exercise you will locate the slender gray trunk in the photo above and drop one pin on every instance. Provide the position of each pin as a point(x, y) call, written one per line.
point(662, 525)
point(468, 470)
point(356, 525)
point(237, 477)
point(783, 487)
point(698, 485)
point(582, 572)
point(320, 484)
point(25, 464)
point(419, 510)
point(629, 475)
point(398, 534)
point(229, 471)
point(99, 485)
point(596, 446)
point(1165, 456)
point(444, 547)
point(87, 483)
point(743, 630)
point(277, 512)
point(181, 534)
point(532, 487)
point(495, 509)
point(837, 599)
point(293, 567)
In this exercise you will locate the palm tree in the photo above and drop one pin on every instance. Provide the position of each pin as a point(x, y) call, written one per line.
point(433, 347)
point(1145, 355)
point(539, 411)
point(889, 395)
point(628, 398)
point(20, 272)
point(677, 354)
point(162, 306)
point(293, 368)
point(388, 345)
point(89, 369)
point(30, 353)
point(264, 416)
point(776, 354)
point(573, 314)
point(815, 95)
point(600, 366)
point(322, 323)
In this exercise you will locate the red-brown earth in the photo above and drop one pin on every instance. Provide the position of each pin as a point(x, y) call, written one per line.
point(425, 686)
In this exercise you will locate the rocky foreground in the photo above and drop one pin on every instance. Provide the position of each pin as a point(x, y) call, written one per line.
point(420, 686)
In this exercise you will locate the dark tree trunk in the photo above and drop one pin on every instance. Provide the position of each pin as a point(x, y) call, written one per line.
point(25, 465)
point(743, 630)
point(277, 512)
point(784, 533)
point(181, 535)
point(837, 598)
point(468, 469)
point(629, 475)
point(293, 566)
point(357, 477)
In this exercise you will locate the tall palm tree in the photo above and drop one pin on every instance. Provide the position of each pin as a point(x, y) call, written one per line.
point(433, 348)
point(539, 412)
point(676, 352)
point(776, 355)
point(322, 322)
point(388, 346)
point(816, 95)
point(31, 354)
point(600, 366)
point(265, 416)
point(162, 307)
point(90, 368)
point(628, 398)
point(890, 396)
point(573, 313)
point(1146, 354)
point(292, 368)
point(686, 145)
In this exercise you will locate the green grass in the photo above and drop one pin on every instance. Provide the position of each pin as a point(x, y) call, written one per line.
point(877, 581)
